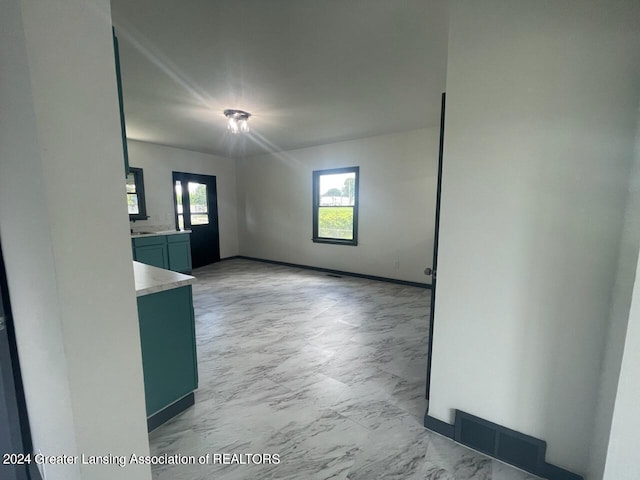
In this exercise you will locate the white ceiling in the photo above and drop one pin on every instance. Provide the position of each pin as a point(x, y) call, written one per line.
point(310, 71)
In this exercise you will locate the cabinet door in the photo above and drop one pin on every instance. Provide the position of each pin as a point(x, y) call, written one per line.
point(167, 336)
point(154, 255)
point(179, 253)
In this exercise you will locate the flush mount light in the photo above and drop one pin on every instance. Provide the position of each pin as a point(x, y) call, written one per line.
point(238, 120)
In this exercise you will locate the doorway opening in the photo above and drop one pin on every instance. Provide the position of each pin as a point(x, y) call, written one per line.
point(434, 266)
point(196, 209)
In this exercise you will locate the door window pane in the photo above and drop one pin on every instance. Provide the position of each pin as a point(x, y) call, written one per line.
point(198, 203)
point(199, 219)
point(179, 197)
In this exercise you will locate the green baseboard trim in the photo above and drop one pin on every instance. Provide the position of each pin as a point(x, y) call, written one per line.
point(230, 258)
point(166, 414)
point(556, 473)
point(438, 426)
point(335, 272)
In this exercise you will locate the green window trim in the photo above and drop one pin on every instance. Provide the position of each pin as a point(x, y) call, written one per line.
point(331, 218)
point(135, 195)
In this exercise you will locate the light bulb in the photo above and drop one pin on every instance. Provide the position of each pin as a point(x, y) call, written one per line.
point(233, 125)
point(237, 120)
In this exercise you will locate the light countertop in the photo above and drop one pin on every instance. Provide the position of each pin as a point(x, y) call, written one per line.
point(162, 232)
point(150, 279)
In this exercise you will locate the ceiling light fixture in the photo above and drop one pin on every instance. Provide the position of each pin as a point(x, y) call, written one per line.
point(238, 120)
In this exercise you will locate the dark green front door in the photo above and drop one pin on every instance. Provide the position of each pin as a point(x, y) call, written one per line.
point(196, 208)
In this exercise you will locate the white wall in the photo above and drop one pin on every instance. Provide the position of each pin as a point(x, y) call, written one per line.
point(616, 440)
point(158, 162)
point(70, 277)
point(617, 330)
point(541, 114)
point(396, 213)
point(622, 455)
point(32, 276)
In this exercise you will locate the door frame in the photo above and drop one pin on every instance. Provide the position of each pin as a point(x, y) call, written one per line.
point(436, 234)
point(212, 200)
point(13, 405)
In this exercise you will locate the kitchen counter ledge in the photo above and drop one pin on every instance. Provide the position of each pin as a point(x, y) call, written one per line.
point(150, 279)
point(159, 233)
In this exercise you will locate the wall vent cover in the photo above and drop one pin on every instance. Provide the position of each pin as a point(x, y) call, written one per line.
point(513, 447)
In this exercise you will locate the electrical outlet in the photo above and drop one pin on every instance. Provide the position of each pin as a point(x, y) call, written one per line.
point(396, 264)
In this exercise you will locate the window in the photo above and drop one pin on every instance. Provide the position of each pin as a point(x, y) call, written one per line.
point(135, 195)
point(198, 203)
point(335, 206)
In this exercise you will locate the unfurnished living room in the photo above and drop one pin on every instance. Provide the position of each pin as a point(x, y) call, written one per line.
point(319, 239)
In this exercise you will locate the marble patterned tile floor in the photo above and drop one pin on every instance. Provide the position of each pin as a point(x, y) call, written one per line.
point(327, 372)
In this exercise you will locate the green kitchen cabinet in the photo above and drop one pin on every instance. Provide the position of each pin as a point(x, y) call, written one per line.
point(179, 253)
point(155, 255)
point(171, 252)
point(168, 341)
point(151, 251)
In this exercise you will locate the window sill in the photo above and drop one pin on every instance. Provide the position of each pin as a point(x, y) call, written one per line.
point(335, 241)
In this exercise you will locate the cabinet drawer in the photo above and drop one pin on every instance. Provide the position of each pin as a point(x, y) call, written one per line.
point(178, 238)
point(145, 241)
